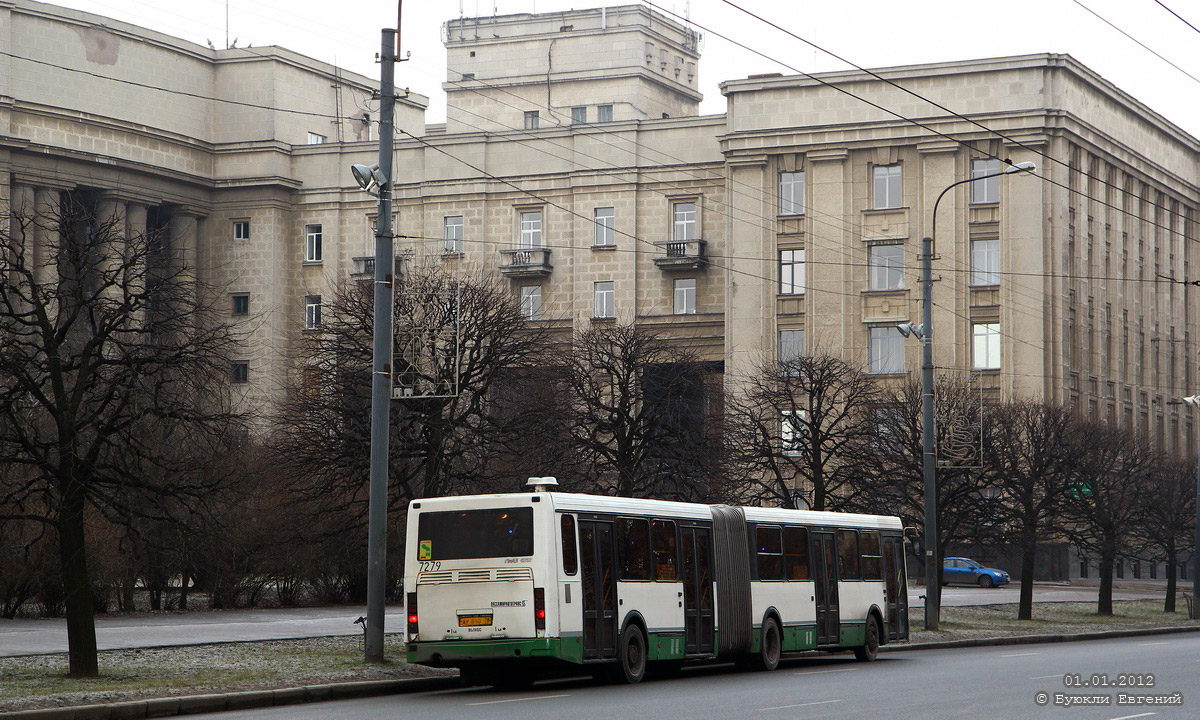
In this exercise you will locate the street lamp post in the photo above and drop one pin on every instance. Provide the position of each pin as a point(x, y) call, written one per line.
point(1194, 401)
point(933, 588)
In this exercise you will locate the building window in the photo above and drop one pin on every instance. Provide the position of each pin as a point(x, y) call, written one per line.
point(604, 113)
point(312, 243)
point(240, 372)
point(685, 296)
point(986, 354)
point(532, 120)
point(791, 345)
point(791, 193)
point(987, 190)
point(315, 139)
point(605, 232)
point(312, 312)
point(452, 233)
point(579, 115)
point(791, 272)
point(887, 187)
point(531, 230)
point(241, 304)
point(605, 300)
point(885, 267)
point(685, 222)
point(241, 229)
point(793, 429)
point(985, 262)
point(886, 350)
point(531, 302)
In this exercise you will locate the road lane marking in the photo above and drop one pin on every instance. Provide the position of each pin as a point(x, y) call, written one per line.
point(1020, 654)
point(786, 707)
point(1131, 717)
point(535, 697)
point(1160, 642)
point(1047, 677)
point(822, 672)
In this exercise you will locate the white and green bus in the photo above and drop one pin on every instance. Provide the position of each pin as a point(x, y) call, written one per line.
point(510, 586)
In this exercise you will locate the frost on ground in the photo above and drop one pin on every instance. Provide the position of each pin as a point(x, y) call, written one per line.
point(40, 681)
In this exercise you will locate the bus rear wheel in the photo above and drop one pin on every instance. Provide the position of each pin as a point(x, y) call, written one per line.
point(632, 651)
point(771, 647)
point(869, 650)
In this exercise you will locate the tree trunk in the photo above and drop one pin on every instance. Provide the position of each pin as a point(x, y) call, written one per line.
point(1172, 569)
point(1028, 558)
point(77, 586)
point(1108, 559)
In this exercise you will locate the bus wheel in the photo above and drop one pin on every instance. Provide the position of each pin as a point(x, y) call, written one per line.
point(633, 654)
point(869, 650)
point(771, 646)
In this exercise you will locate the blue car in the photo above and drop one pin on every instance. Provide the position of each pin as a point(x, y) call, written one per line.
point(969, 572)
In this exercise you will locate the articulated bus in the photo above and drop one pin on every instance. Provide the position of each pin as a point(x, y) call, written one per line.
point(506, 587)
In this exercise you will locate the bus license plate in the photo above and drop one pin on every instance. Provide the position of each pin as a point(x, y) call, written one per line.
point(473, 620)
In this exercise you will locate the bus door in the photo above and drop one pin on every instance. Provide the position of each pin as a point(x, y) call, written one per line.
point(896, 588)
point(599, 589)
point(698, 616)
point(824, 568)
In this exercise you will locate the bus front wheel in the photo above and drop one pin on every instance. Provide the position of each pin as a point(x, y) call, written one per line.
point(633, 654)
point(869, 650)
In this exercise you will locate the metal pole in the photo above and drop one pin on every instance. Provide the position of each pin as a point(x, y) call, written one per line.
point(381, 362)
point(933, 595)
point(1196, 546)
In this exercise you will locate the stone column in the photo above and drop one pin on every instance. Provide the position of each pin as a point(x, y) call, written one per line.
point(750, 288)
point(109, 241)
point(137, 253)
point(46, 216)
point(184, 243)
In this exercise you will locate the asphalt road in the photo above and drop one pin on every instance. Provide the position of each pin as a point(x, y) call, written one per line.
point(35, 637)
point(1001, 682)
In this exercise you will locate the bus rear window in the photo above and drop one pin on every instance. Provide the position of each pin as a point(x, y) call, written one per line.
point(465, 534)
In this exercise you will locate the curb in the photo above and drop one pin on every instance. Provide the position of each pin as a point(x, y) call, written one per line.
point(1034, 639)
point(194, 704)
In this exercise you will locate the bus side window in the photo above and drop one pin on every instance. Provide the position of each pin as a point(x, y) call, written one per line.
point(570, 555)
point(848, 555)
point(770, 553)
point(633, 543)
point(662, 544)
point(795, 551)
point(872, 564)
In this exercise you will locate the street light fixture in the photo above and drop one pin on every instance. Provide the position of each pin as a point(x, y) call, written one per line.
point(369, 177)
point(933, 589)
point(1194, 401)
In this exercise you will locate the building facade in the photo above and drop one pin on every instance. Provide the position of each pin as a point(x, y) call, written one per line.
point(574, 165)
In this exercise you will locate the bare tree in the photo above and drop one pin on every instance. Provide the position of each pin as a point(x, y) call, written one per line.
point(109, 355)
point(1031, 455)
point(455, 339)
point(895, 485)
point(640, 423)
point(1165, 525)
point(804, 423)
point(1106, 497)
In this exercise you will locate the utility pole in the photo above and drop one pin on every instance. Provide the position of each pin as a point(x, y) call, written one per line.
point(381, 360)
point(933, 588)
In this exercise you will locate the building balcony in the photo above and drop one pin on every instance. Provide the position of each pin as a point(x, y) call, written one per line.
point(364, 268)
point(681, 255)
point(525, 263)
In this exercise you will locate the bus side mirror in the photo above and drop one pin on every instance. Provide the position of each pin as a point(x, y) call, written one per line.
point(911, 534)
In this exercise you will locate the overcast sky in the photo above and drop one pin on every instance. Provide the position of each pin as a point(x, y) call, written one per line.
point(871, 33)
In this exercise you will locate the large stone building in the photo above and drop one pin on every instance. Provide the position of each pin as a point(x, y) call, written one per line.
point(574, 163)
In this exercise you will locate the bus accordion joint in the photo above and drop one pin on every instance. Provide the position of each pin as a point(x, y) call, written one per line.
point(411, 604)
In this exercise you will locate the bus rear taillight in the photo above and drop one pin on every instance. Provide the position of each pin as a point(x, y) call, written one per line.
point(539, 608)
point(411, 604)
